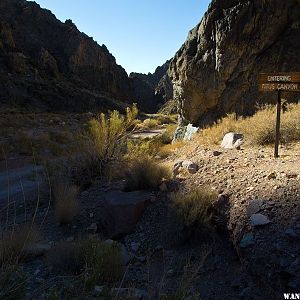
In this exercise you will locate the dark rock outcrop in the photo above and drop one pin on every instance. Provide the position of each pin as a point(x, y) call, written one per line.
point(49, 65)
point(216, 70)
point(152, 90)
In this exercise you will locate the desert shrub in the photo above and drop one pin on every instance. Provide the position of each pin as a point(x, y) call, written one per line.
point(108, 133)
point(66, 203)
point(168, 134)
point(143, 147)
point(194, 208)
point(103, 145)
point(258, 129)
point(13, 243)
point(166, 118)
point(96, 262)
point(12, 283)
point(145, 173)
point(150, 123)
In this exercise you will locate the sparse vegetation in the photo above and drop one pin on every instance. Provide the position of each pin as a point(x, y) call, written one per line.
point(168, 134)
point(12, 283)
point(66, 203)
point(169, 108)
point(144, 173)
point(13, 243)
point(194, 208)
point(94, 261)
point(104, 144)
point(258, 129)
point(149, 124)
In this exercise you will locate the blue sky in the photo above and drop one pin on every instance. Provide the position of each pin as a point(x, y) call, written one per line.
point(141, 34)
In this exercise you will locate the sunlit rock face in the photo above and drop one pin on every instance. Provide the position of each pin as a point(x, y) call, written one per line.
point(47, 64)
point(216, 70)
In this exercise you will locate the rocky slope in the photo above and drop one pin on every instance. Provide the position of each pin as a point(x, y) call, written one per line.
point(49, 65)
point(152, 90)
point(216, 70)
point(262, 214)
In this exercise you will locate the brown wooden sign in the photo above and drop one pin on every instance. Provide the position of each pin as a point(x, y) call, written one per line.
point(293, 77)
point(288, 82)
point(289, 87)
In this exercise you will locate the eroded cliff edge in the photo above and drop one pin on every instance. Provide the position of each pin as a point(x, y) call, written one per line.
point(216, 70)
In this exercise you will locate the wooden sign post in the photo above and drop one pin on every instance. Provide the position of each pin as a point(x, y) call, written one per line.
point(289, 82)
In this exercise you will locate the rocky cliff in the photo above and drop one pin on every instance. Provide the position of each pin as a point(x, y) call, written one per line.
point(152, 90)
point(49, 65)
point(216, 70)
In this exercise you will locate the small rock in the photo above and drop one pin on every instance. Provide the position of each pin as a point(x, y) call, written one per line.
point(70, 239)
point(271, 175)
point(93, 228)
point(254, 207)
point(291, 175)
point(232, 140)
point(216, 153)
point(247, 240)
point(259, 220)
point(190, 166)
point(98, 289)
point(135, 246)
point(37, 272)
point(170, 272)
point(141, 259)
point(91, 215)
point(291, 233)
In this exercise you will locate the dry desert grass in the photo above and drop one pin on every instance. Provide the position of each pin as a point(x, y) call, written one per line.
point(258, 129)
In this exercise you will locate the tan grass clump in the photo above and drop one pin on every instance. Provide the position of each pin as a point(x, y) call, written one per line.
point(145, 173)
point(149, 124)
point(258, 129)
point(66, 203)
point(194, 208)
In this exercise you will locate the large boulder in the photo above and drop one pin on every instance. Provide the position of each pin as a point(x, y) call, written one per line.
point(216, 70)
point(120, 211)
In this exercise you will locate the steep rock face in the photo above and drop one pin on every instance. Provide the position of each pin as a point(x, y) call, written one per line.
point(51, 65)
point(216, 70)
point(152, 90)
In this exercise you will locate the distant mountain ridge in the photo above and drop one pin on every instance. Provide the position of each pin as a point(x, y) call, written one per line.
point(153, 88)
point(49, 65)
